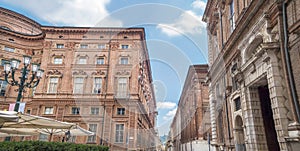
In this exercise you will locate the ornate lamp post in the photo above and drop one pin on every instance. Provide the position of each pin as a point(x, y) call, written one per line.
point(36, 73)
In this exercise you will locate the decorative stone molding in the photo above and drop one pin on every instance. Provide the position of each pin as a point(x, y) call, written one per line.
point(114, 45)
point(79, 73)
point(48, 44)
point(58, 55)
point(70, 45)
point(99, 73)
point(123, 73)
point(54, 73)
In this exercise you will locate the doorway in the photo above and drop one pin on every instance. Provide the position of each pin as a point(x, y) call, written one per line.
point(239, 134)
point(267, 114)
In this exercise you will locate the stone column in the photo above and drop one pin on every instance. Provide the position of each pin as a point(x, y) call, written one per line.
point(212, 103)
point(255, 133)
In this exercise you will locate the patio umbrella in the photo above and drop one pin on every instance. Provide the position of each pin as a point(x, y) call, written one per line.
point(7, 116)
point(29, 124)
point(18, 132)
point(32, 121)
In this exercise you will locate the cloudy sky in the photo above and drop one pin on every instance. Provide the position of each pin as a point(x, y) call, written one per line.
point(176, 36)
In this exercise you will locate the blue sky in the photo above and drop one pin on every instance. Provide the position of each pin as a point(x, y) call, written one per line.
point(175, 34)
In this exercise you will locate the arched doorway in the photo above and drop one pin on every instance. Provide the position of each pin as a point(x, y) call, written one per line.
point(239, 134)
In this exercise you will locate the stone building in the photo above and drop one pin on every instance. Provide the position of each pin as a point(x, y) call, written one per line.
point(99, 78)
point(191, 122)
point(254, 82)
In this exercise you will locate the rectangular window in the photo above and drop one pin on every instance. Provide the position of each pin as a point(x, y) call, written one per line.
point(125, 46)
point(122, 88)
point(82, 60)
point(92, 128)
point(121, 111)
point(60, 46)
point(28, 111)
point(75, 110)
point(100, 61)
point(237, 103)
point(119, 133)
point(231, 19)
point(48, 110)
point(124, 60)
point(43, 137)
point(3, 85)
point(97, 85)
point(9, 49)
point(83, 46)
point(95, 111)
point(57, 60)
point(72, 139)
point(78, 84)
point(53, 82)
point(101, 46)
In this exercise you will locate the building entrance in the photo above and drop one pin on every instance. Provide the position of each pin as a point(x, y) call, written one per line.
point(268, 120)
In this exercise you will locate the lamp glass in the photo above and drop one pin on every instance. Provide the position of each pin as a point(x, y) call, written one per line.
point(34, 67)
point(27, 60)
point(15, 63)
point(7, 67)
point(40, 73)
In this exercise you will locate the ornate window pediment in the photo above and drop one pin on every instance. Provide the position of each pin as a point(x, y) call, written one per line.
point(55, 73)
point(123, 73)
point(99, 73)
point(79, 73)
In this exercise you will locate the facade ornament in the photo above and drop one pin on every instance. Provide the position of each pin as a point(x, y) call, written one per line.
point(54, 73)
point(99, 73)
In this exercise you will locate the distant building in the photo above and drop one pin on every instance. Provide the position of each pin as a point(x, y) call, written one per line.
point(254, 82)
point(99, 78)
point(191, 122)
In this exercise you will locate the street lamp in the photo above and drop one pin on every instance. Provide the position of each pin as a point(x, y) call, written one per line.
point(36, 73)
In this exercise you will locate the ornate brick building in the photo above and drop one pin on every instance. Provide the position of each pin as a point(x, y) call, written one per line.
point(191, 122)
point(99, 78)
point(254, 74)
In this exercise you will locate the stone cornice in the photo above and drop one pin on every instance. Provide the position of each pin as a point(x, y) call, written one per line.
point(22, 35)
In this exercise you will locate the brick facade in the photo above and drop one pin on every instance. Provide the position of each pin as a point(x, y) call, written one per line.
point(191, 121)
point(95, 77)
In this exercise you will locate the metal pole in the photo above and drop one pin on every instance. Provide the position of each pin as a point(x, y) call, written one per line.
point(21, 87)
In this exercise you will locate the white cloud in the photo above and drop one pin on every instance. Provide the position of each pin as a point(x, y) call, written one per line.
point(165, 105)
point(68, 12)
point(187, 23)
point(198, 4)
point(170, 114)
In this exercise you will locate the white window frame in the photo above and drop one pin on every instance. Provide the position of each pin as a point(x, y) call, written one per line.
point(3, 87)
point(53, 85)
point(60, 46)
point(124, 60)
point(82, 60)
point(231, 16)
point(92, 128)
point(43, 137)
point(84, 46)
point(100, 60)
point(101, 46)
point(97, 85)
point(119, 136)
point(48, 110)
point(121, 111)
point(95, 110)
point(76, 110)
point(122, 87)
point(124, 46)
point(57, 60)
point(78, 85)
